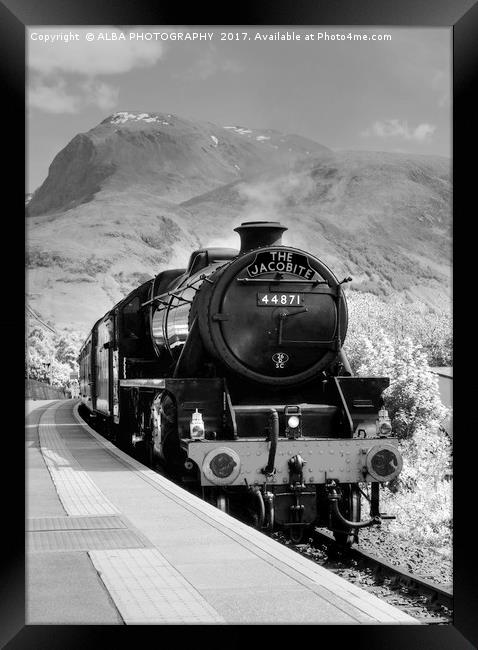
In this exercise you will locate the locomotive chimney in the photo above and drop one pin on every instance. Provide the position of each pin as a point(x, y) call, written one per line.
point(255, 234)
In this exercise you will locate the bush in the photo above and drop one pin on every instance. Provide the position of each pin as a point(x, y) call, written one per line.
point(51, 356)
point(420, 498)
point(428, 457)
point(399, 343)
point(430, 329)
point(413, 398)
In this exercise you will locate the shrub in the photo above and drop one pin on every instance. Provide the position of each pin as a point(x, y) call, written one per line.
point(423, 515)
point(428, 457)
point(51, 356)
point(430, 329)
point(380, 343)
point(413, 397)
point(420, 498)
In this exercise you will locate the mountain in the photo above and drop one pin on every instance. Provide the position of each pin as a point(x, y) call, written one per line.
point(140, 191)
point(174, 157)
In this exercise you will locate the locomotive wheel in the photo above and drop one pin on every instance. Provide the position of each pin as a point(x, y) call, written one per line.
point(149, 455)
point(351, 510)
point(257, 521)
point(296, 534)
point(222, 503)
point(124, 432)
point(128, 422)
point(269, 518)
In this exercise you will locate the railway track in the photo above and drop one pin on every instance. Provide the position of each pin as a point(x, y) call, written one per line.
point(438, 597)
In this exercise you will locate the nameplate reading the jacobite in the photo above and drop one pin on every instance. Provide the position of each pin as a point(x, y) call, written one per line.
point(280, 262)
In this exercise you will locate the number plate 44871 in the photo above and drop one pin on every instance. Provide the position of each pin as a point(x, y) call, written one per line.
point(276, 299)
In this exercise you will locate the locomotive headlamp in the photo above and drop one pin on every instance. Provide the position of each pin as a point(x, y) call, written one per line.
point(383, 462)
point(384, 426)
point(385, 429)
point(196, 426)
point(293, 417)
point(221, 465)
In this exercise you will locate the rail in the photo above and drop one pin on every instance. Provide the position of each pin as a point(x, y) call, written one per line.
point(437, 594)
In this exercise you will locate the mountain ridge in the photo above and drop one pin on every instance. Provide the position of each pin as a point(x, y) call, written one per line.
point(134, 195)
point(109, 153)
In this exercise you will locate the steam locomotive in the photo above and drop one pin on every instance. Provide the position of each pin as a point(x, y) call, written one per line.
point(231, 375)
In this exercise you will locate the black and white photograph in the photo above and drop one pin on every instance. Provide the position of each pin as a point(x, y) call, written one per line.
point(239, 354)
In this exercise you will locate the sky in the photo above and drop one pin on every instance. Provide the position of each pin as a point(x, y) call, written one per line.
point(380, 94)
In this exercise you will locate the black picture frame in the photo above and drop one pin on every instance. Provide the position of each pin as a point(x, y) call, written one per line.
point(462, 17)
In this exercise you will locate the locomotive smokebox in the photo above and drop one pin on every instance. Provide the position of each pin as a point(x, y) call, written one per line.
point(255, 234)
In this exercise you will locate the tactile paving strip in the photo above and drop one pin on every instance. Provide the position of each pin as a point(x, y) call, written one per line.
point(146, 588)
point(77, 492)
point(73, 523)
point(81, 540)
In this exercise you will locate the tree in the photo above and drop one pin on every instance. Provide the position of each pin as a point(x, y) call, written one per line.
point(413, 398)
point(67, 348)
point(51, 356)
point(420, 498)
point(430, 329)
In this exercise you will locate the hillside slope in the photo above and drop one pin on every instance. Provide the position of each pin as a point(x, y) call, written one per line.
point(140, 191)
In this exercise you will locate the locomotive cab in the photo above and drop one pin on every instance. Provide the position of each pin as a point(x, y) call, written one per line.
point(205, 257)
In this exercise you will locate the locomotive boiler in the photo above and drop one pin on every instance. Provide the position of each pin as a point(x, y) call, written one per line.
point(232, 376)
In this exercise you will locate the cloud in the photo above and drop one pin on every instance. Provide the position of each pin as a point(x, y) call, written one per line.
point(52, 98)
point(100, 94)
point(63, 72)
point(393, 128)
point(56, 97)
point(90, 58)
point(209, 64)
point(440, 82)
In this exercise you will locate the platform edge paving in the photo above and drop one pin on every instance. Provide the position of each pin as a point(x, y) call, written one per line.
point(146, 588)
point(362, 601)
point(77, 492)
point(73, 522)
point(41, 496)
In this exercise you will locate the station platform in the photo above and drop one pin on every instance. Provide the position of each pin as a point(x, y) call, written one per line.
point(110, 541)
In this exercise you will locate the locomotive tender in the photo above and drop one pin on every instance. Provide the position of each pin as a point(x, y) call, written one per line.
point(231, 375)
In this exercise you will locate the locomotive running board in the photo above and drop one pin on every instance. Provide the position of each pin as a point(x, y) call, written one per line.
point(341, 459)
point(142, 383)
